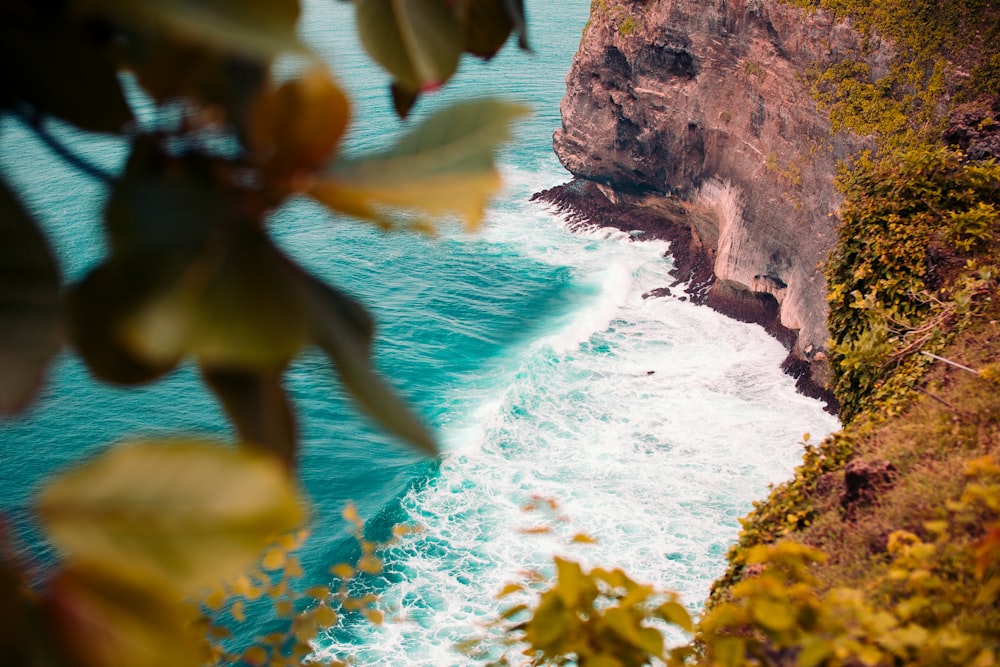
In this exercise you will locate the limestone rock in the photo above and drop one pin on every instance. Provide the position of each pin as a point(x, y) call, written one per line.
point(706, 104)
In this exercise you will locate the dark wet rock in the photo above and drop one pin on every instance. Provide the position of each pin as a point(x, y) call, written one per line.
point(657, 293)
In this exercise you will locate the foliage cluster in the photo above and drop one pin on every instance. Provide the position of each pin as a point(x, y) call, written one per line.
point(788, 509)
point(595, 618)
point(192, 275)
point(917, 250)
point(940, 51)
point(932, 603)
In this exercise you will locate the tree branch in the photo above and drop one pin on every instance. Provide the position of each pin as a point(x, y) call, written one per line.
point(34, 122)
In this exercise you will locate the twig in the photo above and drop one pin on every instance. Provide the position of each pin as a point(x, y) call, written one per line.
point(34, 122)
point(949, 362)
point(938, 399)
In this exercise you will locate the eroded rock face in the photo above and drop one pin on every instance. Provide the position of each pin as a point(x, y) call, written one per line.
point(708, 103)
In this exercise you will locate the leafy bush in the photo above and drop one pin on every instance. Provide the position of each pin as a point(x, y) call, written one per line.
point(909, 223)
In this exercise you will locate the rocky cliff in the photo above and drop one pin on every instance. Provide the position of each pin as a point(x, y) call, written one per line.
point(701, 111)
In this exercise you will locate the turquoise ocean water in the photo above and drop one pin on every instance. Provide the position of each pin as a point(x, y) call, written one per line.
point(527, 347)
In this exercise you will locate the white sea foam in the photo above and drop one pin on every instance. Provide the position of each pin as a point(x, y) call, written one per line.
point(653, 423)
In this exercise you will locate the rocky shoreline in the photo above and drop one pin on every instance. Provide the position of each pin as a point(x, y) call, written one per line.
point(583, 203)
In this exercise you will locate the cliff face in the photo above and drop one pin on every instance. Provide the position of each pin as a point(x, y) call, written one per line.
point(707, 104)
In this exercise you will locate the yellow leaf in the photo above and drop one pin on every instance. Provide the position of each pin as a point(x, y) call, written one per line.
point(569, 578)
point(675, 613)
point(325, 616)
point(513, 611)
point(445, 166)
point(350, 514)
point(237, 611)
point(773, 615)
point(508, 590)
point(399, 530)
point(241, 585)
point(255, 655)
point(273, 559)
point(189, 512)
point(462, 195)
point(374, 616)
point(342, 570)
point(215, 599)
point(318, 592)
point(304, 628)
point(729, 651)
point(293, 568)
point(114, 618)
point(583, 538)
point(370, 564)
point(297, 125)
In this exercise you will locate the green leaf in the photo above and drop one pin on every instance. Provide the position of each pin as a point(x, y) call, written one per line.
point(343, 330)
point(248, 311)
point(417, 41)
point(29, 304)
point(256, 29)
point(108, 618)
point(443, 166)
point(170, 206)
point(187, 512)
point(257, 404)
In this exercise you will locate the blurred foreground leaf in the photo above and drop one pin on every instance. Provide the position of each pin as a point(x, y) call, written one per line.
point(258, 406)
point(61, 69)
point(29, 304)
point(96, 309)
point(295, 127)
point(108, 619)
point(343, 330)
point(417, 41)
point(260, 29)
point(485, 25)
point(444, 166)
point(188, 511)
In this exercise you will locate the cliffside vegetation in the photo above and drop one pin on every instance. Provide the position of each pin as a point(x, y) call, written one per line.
point(897, 505)
point(884, 549)
point(154, 544)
